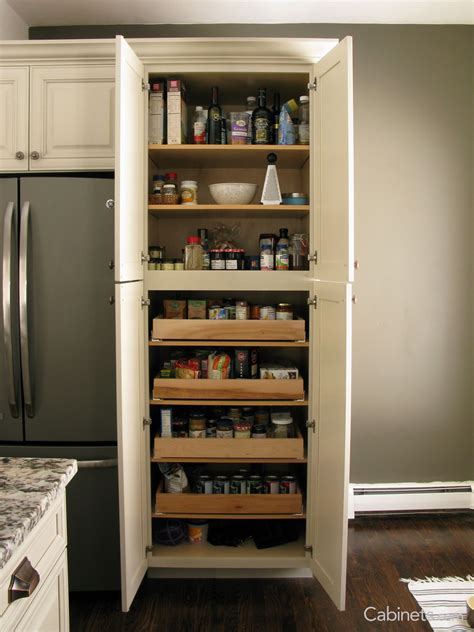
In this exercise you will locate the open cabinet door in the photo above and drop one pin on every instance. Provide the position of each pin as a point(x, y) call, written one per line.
point(332, 186)
point(129, 163)
point(329, 442)
point(131, 437)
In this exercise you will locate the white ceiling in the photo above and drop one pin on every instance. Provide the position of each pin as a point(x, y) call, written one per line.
point(74, 12)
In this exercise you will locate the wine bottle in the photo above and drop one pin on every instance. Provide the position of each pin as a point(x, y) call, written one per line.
point(214, 115)
point(262, 121)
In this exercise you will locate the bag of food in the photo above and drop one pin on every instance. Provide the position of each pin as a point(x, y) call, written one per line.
point(219, 366)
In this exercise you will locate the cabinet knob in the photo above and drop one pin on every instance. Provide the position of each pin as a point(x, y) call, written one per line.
point(354, 300)
point(110, 204)
point(23, 582)
point(111, 264)
point(34, 155)
point(111, 300)
point(356, 264)
point(20, 155)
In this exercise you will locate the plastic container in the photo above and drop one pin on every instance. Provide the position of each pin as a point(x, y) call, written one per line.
point(197, 531)
point(282, 426)
point(303, 126)
point(189, 192)
point(199, 126)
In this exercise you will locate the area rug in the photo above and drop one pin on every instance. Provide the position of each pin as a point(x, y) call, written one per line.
point(443, 601)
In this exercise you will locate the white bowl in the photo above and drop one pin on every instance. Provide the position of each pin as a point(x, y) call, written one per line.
point(233, 192)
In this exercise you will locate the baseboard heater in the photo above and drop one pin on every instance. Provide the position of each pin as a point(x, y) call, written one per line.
point(410, 497)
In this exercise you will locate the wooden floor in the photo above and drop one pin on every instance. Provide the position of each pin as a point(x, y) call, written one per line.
point(381, 551)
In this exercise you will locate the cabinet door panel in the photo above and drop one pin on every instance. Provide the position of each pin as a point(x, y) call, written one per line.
point(329, 444)
point(72, 117)
point(13, 119)
point(332, 188)
point(130, 165)
point(130, 336)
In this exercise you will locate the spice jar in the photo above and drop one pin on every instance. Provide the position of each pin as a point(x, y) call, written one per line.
point(193, 253)
point(234, 259)
point(156, 252)
point(197, 425)
point(242, 429)
point(284, 311)
point(189, 192)
point(255, 312)
point(217, 259)
point(267, 312)
point(241, 310)
point(167, 264)
point(225, 428)
point(282, 426)
point(259, 431)
point(169, 190)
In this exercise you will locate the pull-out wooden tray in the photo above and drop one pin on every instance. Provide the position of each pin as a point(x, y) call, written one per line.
point(181, 329)
point(228, 503)
point(164, 388)
point(208, 449)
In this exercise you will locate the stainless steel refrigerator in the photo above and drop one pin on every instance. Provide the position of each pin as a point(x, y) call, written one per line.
point(57, 342)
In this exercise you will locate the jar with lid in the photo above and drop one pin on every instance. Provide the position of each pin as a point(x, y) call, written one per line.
point(242, 429)
point(189, 190)
point(179, 427)
point(241, 310)
point(235, 414)
point(267, 251)
point(167, 264)
point(282, 426)
point(169, 190)
point(225, 428)
point(234, 259)
point(299, 251)
point(156, 252)
point(303, 116)
point(211, 429)
point(158, 182)
point(217, 259)
point(284, 311)
point(178, 264)
point(193, 253)
point(197, 425)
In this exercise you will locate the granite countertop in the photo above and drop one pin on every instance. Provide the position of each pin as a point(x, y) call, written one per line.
point(28, 487)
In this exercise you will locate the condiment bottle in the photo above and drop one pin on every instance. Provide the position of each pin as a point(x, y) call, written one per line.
point(193, 254)
point(262, 121)
point(282, 253)
point(206, 257)
point(199, 126)
point(214, 115)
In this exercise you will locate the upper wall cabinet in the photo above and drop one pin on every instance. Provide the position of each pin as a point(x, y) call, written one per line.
point(55, 118)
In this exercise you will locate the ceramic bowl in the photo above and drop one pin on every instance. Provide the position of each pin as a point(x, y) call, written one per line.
point(233, 192)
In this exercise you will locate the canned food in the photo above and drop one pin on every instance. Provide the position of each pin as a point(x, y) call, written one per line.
point(221, 485)
point(288, 485)
point(254, 484)
point(271, 484)
point(225, 429)
point(238, 484)
point(267, 312)
point(241, 310)
point(204, 484)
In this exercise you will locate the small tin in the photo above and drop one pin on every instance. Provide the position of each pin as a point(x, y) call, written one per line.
point(254, 484)
point(238, 484)
point(271, 484)
point(288, 485)
point(204, 484)
point(267, 312)
point(221, 485)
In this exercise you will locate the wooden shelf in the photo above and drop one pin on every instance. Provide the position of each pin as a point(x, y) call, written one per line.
point(181, 211)
point(210, 461)
point(218, 156)
point(221, 281)
point(226, 343)
point(178, 388)
point(205, 516)
point(229, 402)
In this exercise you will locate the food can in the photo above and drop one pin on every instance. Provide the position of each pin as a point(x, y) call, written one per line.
point(241, 310)
point(221, 485)
point(216, 312)
point(271, 484)
point(238, 484)
point(254, 484)
point(267, 312)
point(288, 485)
point(204, 484)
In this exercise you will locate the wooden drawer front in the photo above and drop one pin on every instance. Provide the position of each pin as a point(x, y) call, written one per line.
point(168, 329)
point(229, 503)
point(42, 547)
point(228, 389)
point(165, 447)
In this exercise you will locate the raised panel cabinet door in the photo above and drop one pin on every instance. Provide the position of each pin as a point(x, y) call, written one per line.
point(13, 118)
point(131, 437)
point(329, 441)
point(72, 117)
point(332, 184)
point(130, 165)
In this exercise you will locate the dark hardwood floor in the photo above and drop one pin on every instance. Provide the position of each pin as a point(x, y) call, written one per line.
point(381, 551)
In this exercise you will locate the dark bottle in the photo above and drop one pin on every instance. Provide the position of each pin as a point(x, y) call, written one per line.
point(282, 253)
point(276, 116)
point(223, 130)
point(262, 121)
point(214, 115)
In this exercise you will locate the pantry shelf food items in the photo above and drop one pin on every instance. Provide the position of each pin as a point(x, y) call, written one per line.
point(225, 309)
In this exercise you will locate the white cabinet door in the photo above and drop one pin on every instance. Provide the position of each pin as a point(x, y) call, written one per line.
point(332, 187)
point(130, 165)
point(72, 117)
point(130, 339)
point(13, 119)
point(329, 443)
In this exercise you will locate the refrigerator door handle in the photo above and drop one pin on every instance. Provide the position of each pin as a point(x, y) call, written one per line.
point(23, 290)
point(7, 307)
point(101, 463)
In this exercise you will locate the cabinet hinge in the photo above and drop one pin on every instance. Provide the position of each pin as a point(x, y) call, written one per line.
point(145, 302)
point(311, 424)
point(145, 258)
point(148, 549)
point(313, 257)
point(313, 302)
point(308, 548)
point(145, 86)
point(313, 85)
point(146, 422)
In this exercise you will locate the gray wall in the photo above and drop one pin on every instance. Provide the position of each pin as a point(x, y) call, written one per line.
point(413, 335)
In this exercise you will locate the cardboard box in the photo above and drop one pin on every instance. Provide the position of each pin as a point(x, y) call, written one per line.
point(276, 372)
point(196, 309)
point(156, 114)
point(176, 112)
point(174, 309)
point(246, 364)
point(166, 421)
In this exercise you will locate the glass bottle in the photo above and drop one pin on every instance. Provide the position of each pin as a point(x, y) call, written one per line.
point(199, 126)
point(276, 116)
point(251, 105)
point(282, 253)
point(214, 115)
point(262, 121)
point(206, 258)
point(193, 254)
point(303, 115)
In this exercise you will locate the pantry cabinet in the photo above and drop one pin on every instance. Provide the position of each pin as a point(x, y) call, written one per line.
point(57, 118)
point(322, 294)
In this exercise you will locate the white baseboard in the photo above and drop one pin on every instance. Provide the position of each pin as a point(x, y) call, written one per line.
point(386, 497)
point(233, 573)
